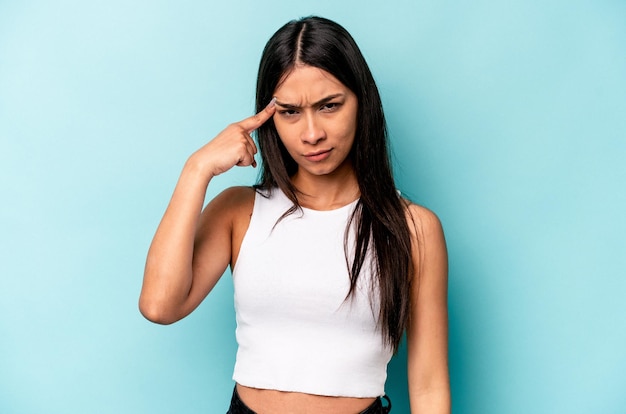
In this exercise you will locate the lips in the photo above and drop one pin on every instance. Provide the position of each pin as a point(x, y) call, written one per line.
point(317, 156)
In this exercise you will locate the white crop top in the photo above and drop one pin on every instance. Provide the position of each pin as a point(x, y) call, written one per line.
point(295, 330)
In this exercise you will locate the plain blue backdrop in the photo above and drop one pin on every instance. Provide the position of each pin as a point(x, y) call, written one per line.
point(507, 118)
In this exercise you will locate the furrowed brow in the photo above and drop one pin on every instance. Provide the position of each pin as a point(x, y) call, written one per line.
point(315, 104)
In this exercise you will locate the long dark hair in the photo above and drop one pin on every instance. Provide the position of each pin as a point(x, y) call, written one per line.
point(380, 214)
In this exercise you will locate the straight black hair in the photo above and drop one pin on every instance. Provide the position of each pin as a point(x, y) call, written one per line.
point(380, 216)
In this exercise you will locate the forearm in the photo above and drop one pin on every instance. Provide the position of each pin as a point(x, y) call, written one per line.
point(433, 401)
point(168, 273)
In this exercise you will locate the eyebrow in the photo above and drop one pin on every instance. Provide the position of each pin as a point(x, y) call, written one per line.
point(318, 103)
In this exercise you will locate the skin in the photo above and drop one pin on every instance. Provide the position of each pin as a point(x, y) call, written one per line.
point(315, 116)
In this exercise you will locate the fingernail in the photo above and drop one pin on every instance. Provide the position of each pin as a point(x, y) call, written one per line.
point(272, 102)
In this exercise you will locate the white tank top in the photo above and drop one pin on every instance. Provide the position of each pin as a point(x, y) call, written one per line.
point(295, 329)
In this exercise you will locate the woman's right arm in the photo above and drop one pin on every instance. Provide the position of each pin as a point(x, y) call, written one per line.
point(191, 249)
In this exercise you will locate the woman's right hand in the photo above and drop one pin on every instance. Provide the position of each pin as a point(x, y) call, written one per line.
point(233, 146)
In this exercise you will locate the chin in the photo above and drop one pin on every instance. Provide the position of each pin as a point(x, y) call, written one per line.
point(322, 172)
point(325, 169)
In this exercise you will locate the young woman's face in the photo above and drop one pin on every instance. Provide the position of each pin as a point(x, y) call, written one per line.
point(316, 119)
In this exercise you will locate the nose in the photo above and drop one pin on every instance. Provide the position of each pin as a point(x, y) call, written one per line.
point(313, 132)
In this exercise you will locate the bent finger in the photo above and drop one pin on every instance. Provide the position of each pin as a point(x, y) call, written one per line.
point(251, 143)
point(253, 152)
point(246, 160)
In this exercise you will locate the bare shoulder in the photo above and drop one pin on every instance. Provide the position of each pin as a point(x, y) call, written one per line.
point(234, 197)
point(227, 210)
point(233, 201)
point(423, 222)
point(430, 254)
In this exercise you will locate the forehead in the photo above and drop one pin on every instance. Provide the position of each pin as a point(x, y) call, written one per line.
point(308, 83)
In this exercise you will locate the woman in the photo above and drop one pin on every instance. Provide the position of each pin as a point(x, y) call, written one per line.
point(330, 265)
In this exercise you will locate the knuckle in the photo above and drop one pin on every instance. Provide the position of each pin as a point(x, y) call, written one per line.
point(241, 145)
point(236, 127)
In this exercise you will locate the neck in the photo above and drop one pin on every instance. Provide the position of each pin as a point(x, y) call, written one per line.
point(326, 192)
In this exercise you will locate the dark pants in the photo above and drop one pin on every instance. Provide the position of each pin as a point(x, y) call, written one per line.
point(238, 407)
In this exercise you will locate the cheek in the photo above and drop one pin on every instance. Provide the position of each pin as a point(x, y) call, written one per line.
point(285, 133)
point(280, 127)
point(346, 128)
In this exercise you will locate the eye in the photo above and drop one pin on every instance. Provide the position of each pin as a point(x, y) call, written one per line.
point(288, 112)
point(330, 107)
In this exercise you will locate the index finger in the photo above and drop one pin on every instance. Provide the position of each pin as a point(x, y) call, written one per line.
point(255, 121)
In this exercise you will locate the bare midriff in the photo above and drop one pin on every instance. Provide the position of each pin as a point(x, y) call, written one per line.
point(272, 401)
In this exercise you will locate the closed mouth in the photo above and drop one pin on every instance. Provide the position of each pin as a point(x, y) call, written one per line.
point(313, 154)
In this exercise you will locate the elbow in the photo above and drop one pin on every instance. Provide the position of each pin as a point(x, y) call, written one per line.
point(156, 312)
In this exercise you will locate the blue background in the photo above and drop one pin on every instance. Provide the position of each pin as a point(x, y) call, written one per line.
point(507, 118)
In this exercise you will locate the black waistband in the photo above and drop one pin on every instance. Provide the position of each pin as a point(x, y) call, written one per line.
point(239, 407)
